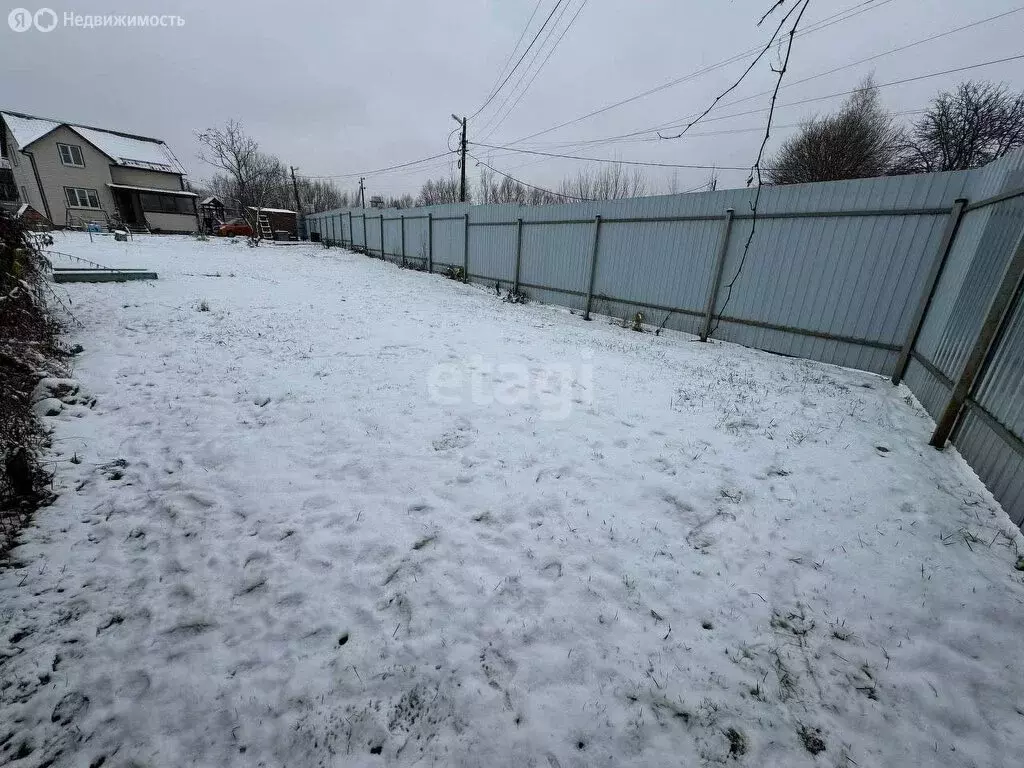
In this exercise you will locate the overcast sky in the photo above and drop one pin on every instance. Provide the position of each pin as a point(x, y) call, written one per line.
point(339, 88)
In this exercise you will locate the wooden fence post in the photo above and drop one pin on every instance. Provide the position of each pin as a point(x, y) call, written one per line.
point(593, 267)
point(465, 251)
point(995, 318)
point(716, 282)
point(956, 214)
point(519, 254)
point(430, 243)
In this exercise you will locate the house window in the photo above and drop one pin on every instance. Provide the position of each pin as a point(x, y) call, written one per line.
point(71, 154)
point(82, 198)
point(157, 203)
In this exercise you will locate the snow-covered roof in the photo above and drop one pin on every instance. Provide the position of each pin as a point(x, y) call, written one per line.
point(124, 149)
point(133, 188)
point(150, 154)
point(271, 210)
point(211, 199)
point(27, 129)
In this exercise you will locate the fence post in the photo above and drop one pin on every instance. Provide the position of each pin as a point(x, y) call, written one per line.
point(430, 243)
point(403, 239)
point(519, 254)
point(956, 214)
point(593, 266)
point(716, 282)
point(383, 256)
point(995, 318)
point(351, 232)
point(465, 251)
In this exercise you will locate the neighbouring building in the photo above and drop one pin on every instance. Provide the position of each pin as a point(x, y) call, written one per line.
point(75, 174)
point(276, 223)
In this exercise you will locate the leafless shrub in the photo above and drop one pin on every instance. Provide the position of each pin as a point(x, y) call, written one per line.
point(27, 344)
point(859, 141)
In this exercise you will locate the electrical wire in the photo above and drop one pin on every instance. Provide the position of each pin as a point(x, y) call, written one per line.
point(852, 11)
point(503, 117)
point(531, 186)
point(676, 122)
point(515, 48)
point(378, 170)
point(879, 85)
point(889, 52)
point(606, 160)
point(512, 72)
point(750, 66)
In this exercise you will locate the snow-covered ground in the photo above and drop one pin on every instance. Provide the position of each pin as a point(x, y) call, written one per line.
point(356, 515)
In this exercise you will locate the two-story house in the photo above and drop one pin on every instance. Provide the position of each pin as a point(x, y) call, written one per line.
point(76, 174)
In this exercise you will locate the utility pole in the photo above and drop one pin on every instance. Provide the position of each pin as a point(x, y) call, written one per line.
point(362, 192)
point(462, 158)
point(295, 188)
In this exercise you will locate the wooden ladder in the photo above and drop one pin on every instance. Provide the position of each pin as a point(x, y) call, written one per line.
point(264, 226)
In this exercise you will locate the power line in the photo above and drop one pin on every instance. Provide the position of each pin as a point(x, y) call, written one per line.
point(379, 170)
point(889, 52)
point(606, 160)
point(512, 72)
point(852, 11)
point(676, 123)
point(880, 85)
point(522, 93)
point(515, 48)
point(531, 186)
point(751, 65)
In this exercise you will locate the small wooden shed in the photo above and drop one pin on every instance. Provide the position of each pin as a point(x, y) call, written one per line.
point(280, 220)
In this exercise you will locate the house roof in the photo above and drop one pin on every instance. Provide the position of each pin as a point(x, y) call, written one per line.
point(123, 149)
point(211, 199)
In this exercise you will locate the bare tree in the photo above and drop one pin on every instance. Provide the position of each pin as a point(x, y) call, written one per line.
point(321, 195)
point(400, 201)
point(965, 128)
point(610, 182)
point(859, 141)
point(439, 191)
point(238, 155)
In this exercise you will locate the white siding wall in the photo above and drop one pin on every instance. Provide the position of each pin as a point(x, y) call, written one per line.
point(138, 177)
point(55, 175)
point(171, 222)
point(25, 180)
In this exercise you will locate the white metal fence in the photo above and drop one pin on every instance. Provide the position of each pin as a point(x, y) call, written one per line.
point(893, 275)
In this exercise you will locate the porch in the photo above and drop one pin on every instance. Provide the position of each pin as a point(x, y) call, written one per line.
point(158, 210)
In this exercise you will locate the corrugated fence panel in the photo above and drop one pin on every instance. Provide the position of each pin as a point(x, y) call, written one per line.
point(659, 264)
point(1001, 390)
point(448, 234)
point(556, 256)
point(851, 278)
point(999, 466)
point(492, 252)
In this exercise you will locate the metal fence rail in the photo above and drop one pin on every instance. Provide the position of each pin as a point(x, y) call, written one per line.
point(892, 275)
